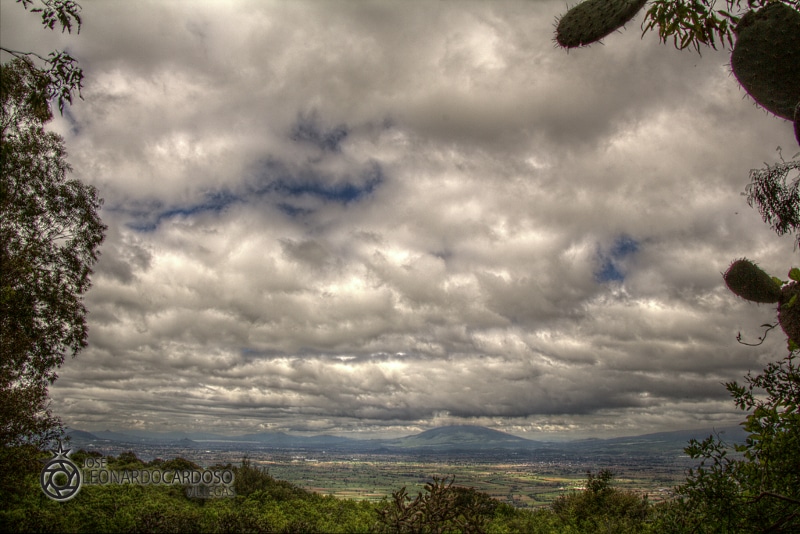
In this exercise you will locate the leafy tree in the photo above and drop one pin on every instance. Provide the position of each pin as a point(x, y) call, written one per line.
point(601, 507)
point(59, 68)
point(50, 232)
point(777, 199)
point(696, 23)
point(252, 480)
point(175, 464)
point(754, 486)
point(128, 460)
point(441, 508)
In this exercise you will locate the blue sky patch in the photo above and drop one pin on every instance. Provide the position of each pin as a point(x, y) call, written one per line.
point(307, 129)
point(608, 272)
point(277, 186)
point(610, 269)
point(344, 192)
point(149, 220)
point(624, 246)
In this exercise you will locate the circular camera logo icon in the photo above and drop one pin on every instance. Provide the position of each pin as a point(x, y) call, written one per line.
point(60, 478)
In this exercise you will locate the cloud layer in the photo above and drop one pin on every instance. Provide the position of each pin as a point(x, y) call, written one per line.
point(377, 217)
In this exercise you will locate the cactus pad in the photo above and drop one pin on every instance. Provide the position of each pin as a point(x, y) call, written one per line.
point(746, 280)
point(789, 313)
point(797, 123)
point(592, 20)
point(766, 57)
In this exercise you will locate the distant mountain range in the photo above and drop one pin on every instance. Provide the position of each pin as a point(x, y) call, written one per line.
point(463, 437)
point(442, 440)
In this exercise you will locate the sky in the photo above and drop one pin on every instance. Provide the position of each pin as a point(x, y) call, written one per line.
point(372, 218)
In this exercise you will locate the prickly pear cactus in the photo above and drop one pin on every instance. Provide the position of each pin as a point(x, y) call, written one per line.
point(746, 280)
point(592, 20)
point(789, 311)
point(766, 58)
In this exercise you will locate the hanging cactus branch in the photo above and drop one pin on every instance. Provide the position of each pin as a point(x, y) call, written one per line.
point(746, 280)
point(766, 57)
point(590, 21)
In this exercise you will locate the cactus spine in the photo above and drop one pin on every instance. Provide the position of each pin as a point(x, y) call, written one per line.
point(592, 20)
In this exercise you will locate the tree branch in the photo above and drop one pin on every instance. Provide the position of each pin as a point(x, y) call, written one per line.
point(775, 496)
point(20, 55)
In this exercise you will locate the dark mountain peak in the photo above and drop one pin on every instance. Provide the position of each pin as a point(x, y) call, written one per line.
point(80, 435)
point(467, 433)
point(461, 437)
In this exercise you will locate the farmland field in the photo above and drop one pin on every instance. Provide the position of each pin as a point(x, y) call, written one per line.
point(521, 483)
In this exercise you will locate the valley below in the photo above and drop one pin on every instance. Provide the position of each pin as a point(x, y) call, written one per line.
point(520, 472)
point(518, 481)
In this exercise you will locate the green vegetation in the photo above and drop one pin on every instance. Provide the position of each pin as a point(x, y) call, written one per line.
point(441, 508)
point(263, 504)
point(602, 508)
point(50, 232)
point(522, 483)
point(754, 487)
point(776, 200)
point(59, 70)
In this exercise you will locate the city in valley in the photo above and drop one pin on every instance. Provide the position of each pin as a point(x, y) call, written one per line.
point(521, 472)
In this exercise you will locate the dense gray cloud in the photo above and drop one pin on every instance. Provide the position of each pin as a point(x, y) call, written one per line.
point(377, 217)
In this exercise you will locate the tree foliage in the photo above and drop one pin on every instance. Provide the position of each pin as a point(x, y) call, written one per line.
point(442, 507)
point(59, 68)
point(754, 486)
point(50, 232)
point(601, 507)
point(698, 23)
point(776, 194)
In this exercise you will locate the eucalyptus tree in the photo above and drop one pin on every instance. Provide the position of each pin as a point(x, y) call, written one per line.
point(59, 67)
point(50, 234)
